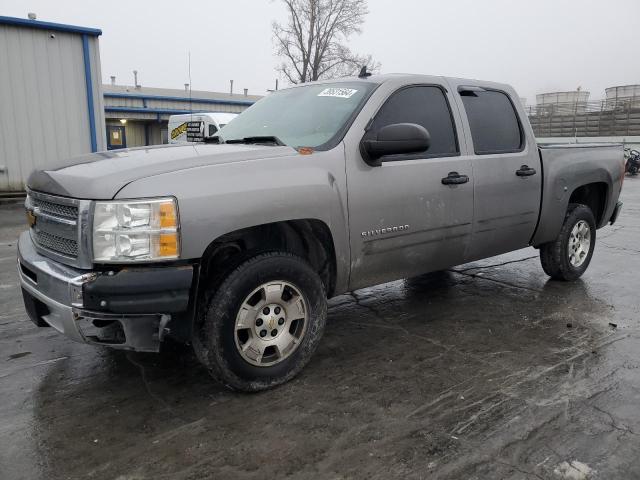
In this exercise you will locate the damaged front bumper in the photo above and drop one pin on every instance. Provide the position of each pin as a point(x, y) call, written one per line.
point(131, 309)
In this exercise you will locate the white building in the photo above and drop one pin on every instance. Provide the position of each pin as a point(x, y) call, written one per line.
point(51, 104)
point(138, 116)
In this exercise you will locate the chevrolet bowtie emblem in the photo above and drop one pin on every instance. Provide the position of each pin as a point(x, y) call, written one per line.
point(31, 218)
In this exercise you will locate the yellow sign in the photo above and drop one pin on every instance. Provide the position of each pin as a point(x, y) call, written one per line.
point(179, 130)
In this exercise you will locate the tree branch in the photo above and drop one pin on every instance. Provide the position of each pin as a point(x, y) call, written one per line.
point(313, 44)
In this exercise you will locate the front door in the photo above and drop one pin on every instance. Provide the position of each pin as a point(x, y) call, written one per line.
point(403, 219)
point(116, 137)
point(506, 171)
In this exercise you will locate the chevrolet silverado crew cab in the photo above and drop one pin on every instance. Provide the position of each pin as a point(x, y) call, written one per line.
point(316, 190)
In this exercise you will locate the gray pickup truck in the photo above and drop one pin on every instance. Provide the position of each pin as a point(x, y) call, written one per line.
point(316, 190)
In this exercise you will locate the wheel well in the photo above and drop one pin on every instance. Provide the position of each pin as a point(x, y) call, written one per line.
point(309, 238)
point(594, 196)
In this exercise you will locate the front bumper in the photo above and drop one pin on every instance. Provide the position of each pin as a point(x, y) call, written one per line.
point(128, 309)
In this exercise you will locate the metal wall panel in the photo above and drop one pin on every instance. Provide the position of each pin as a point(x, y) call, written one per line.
point(43, 114)
point(135, 134)
point(148, 103)
point(155, 132)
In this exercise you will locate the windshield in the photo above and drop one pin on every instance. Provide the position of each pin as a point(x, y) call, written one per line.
point(307, 116)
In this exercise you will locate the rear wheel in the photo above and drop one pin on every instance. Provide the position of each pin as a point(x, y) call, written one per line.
point(263, 323)
point(569, 255)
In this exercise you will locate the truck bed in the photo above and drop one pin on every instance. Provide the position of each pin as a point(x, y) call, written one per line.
point(569, 166)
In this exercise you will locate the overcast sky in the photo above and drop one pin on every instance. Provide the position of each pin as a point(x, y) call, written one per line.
point(537, 46)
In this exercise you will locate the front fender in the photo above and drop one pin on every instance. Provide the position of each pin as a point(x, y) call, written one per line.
point(219, 199)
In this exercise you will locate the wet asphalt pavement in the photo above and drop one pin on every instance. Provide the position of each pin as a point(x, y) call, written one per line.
point(487, 371)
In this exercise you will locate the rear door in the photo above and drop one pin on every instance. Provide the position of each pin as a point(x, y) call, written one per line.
point(403, 220)
point(506, 171)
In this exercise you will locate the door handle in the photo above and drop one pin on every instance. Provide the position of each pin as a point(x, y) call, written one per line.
point(454, 178)
point(525, 171)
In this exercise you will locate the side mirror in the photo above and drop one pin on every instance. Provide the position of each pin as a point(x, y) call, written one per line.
point(395, 139)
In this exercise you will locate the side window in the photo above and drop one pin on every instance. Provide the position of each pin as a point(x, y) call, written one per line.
point(494, 122)
point(212, 129)
point(426, 106)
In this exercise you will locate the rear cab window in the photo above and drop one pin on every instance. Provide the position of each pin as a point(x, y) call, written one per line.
point(493, 120)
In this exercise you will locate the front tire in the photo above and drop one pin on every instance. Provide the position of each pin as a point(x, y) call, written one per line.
point(263, 323)
point(569, 255)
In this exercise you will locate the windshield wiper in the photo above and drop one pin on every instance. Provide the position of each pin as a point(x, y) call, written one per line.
point(260, 139)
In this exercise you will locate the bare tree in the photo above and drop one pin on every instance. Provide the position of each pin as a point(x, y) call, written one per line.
point(313, 41)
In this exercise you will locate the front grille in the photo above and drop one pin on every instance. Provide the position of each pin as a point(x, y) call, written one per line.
point(57, 244)
point(55, 209)
point(57, 226)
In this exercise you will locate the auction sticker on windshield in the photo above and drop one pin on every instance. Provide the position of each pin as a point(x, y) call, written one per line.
point(337, 92)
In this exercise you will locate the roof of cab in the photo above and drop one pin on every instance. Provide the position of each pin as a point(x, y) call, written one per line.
point(414, 78)
point(386, 77)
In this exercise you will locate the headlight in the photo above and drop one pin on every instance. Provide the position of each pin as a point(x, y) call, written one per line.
point(140, 230)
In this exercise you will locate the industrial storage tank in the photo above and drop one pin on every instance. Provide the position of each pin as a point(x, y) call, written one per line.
point(562, 103)
point(624, 96)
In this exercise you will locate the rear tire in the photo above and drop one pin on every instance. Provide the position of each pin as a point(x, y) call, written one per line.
point(263, 323)
point(569, 255)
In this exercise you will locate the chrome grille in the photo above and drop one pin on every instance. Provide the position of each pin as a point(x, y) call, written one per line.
point(57, 210)
point(57, 244)
point(59, 226)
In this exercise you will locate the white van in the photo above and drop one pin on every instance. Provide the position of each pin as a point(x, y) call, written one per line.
point(196, 127)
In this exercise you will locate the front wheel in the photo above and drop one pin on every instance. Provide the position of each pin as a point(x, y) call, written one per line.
point(569, 255)
point(263, 323)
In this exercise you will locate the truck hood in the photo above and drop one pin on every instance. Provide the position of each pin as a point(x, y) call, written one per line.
point(99, 176)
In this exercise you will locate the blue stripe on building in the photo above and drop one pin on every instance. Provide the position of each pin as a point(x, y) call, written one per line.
point(88, 81)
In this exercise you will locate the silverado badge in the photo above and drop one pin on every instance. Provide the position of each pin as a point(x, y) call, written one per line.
point(384, 231)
